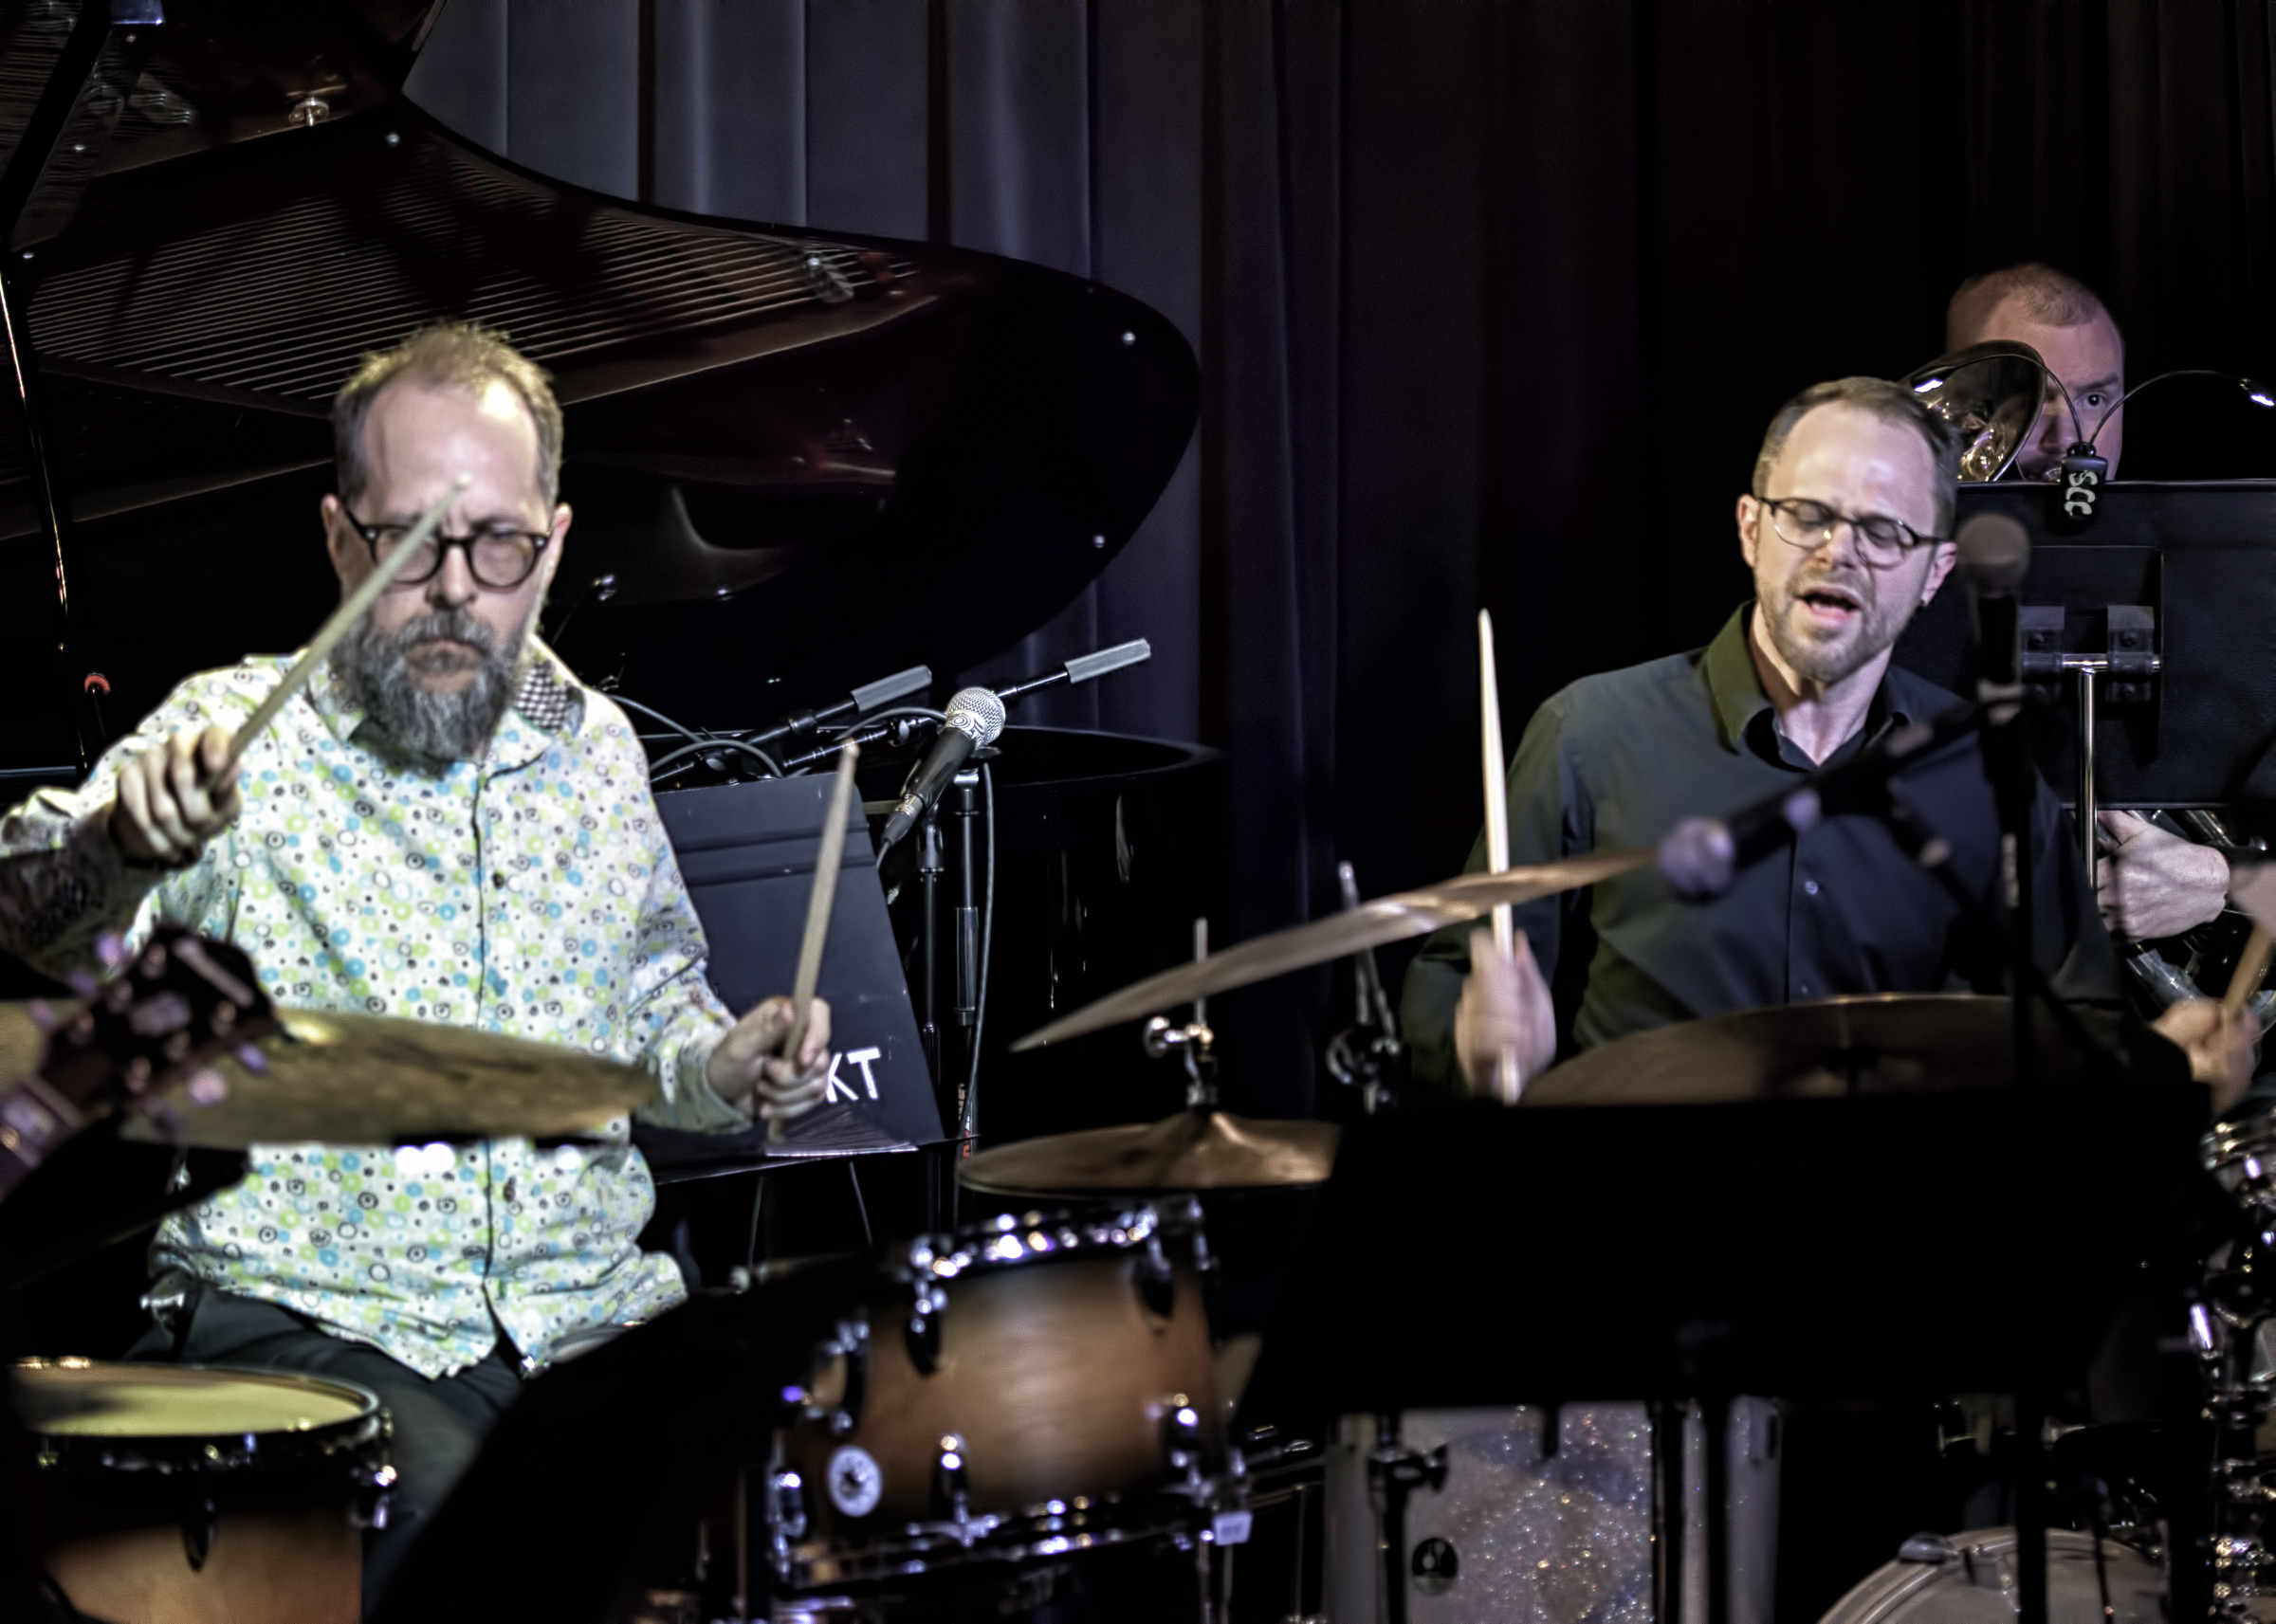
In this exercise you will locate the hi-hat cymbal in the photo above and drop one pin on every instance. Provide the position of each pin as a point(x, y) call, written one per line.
point(1193, 1150)
point(1890, 1043)
point(1371, 925)
point(361, 1078)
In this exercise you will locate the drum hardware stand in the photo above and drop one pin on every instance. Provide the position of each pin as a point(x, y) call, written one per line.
point(964, 798)
point(2128, 664)
point(1365, 1055)
point(1192, 1042)
point(931, 867)
point(2224, 1333)
point(1393, 1475)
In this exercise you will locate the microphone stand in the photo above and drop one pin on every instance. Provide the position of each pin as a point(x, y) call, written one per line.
point(1366, 1055)
point(1994, 568)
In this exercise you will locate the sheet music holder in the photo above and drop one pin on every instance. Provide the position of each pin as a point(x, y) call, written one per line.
point(747, 853)
point(2193, 567)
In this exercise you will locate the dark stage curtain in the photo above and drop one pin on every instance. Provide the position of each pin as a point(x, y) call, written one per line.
point(1492, 298)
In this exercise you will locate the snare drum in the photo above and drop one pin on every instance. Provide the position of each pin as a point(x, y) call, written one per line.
point(1027, 1387)
point(173, 1494)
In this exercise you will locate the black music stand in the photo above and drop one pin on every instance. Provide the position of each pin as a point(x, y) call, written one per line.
point(747, 852)
point(2149, 630)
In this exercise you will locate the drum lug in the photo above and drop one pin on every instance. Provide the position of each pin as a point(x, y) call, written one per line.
point(853, 1346)
point(1182, 1438)
point(923, 1333)
point(199, 1525)
point(372, 1497)
point(1157, 1282)
point(948, 1481)
point(786, 1512)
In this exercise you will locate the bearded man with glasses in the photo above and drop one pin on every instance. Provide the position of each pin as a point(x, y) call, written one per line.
point(444, 825)
point(1846, 527)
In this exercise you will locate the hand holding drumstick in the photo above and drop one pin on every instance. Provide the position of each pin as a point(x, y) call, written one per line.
point(179, 794)
point(779, 1053)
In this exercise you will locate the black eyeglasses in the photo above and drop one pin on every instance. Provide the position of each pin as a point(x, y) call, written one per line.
point(500, 557)
point(1882, 542)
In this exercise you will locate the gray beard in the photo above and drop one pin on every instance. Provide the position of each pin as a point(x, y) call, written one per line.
point(1878, 626)
point(445, 727)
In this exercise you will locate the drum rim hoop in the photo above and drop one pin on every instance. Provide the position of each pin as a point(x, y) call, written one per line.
point(1099, 1230)
point(363, 1435)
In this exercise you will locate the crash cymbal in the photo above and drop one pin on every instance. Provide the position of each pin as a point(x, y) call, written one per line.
point(1891, 1043)
point(1371, 925)
point(358, 1079)
point(1193, 1150)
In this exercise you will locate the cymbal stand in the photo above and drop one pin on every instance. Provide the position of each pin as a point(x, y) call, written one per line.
point(1192, 1042)
point(1365, 1055)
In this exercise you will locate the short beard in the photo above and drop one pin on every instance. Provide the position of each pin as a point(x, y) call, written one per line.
point(1879, 624)
point(443, 726)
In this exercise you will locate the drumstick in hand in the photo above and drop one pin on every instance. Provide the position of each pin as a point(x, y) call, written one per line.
point(818, 903)
point(343, 618)
point(1508, 1085)
point(2252, 969)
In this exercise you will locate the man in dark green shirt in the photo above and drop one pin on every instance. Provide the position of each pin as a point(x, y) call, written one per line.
point(1846, 528)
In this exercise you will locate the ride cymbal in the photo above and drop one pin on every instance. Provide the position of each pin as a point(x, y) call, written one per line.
point(1371, 925)
point(1193, 1150)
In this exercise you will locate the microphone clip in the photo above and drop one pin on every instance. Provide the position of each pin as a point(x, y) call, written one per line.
point(2079, 483)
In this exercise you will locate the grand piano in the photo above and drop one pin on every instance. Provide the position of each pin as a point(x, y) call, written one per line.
point(798, 460)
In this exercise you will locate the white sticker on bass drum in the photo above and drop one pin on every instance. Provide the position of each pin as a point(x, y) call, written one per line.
point(856, 1480)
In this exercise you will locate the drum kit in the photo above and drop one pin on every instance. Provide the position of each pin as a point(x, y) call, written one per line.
point(1009, 1408)
point(1030, 1393)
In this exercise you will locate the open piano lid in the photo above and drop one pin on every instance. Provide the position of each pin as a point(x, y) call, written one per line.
point(796, 461)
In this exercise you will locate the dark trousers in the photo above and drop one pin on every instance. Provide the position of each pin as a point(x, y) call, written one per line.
point(439, 1423)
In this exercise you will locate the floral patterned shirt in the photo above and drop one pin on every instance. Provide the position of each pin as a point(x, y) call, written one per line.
point(532, 892)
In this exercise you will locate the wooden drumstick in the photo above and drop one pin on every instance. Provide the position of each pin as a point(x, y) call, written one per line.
point(2252, 969)
point(2252, 892)
point(1508, 1083)
point(337, 627)
point(819, 901)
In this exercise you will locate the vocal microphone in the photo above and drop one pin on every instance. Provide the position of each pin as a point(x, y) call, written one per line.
point(1702, 856)
point(975, 718)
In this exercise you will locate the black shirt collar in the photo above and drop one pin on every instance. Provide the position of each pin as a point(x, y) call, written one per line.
point(1745, 719)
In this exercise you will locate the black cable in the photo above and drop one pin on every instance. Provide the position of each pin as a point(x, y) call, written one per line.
point(658, 716)
point(927, 713)
point(703, 747)
point(864, 730)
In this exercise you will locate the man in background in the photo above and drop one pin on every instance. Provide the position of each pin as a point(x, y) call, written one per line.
point(2151, 885)
point(2064, 320)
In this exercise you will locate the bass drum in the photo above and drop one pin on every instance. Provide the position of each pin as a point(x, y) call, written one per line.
point(1513, 1527)
point(173, 1494)
point(1970, 1579)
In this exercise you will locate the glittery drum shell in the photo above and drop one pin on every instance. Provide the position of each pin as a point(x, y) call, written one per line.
point(1564, 1539)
